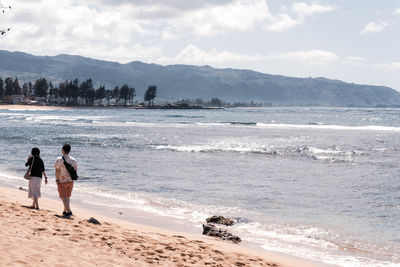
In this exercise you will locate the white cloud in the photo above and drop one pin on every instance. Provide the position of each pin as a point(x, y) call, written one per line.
point(304, 9)
point(52, 28)
point(397, 11)
point(360, 59)
point(240, 15)
point(217, 17)
point(126, 30)
point(313, 57)
point(191, 54)
point(354, 61)
point(374, 27)
point(245, 15)
point(283, 21)
point(393, 66)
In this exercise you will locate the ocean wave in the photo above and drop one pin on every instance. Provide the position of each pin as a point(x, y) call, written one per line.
point(315, 243)
point(331, 127)
point(106, 121)
point(141, 124)
point(333, 155)
point(218, 147)
point(225, 123)
point(149, 203)
point(184, 116)
point(10, 177)
point(50, 119)
point(310, 125)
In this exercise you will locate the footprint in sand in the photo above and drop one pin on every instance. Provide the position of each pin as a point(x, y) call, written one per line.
point(179, 236)
point(170, 248)
point(217, 252)
point(218, 259)
point(74, 238)
point(132, 241)
point(19, 262)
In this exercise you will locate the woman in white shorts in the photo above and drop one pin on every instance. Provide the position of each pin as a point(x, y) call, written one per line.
point(37, 171)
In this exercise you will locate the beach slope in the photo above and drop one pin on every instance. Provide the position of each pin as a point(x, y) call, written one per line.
point(39, 237)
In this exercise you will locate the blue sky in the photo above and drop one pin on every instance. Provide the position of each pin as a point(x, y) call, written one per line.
point(355, 41)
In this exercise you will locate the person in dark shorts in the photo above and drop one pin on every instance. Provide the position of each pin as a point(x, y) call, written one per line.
point(63, 178)
point(37, 171)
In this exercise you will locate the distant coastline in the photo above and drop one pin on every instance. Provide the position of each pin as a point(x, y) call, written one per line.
point(67, 78)
point(156, 107)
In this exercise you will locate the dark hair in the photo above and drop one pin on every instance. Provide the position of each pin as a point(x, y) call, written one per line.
point(35, 152)
point(67, 148)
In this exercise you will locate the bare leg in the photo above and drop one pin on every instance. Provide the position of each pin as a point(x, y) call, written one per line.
point(35, 203)
point(64, 203)
point(67, 207)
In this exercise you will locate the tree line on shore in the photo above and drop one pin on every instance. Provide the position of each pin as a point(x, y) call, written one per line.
point(73, 92)
point(216, 102)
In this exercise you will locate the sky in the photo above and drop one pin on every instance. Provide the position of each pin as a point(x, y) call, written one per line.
point(355, 41)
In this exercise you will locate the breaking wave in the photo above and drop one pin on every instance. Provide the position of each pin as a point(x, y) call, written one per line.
point(333, 154)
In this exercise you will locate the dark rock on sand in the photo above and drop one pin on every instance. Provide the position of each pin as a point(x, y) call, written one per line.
point(220, 220)
point(211, 230)
point(94, 221)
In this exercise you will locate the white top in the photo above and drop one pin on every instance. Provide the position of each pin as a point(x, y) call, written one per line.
point(59, 165)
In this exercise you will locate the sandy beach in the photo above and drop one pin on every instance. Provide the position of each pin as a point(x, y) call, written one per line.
point(30, 107)
point(39, 237)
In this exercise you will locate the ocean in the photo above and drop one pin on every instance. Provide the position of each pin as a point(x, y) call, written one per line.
point(317, 183)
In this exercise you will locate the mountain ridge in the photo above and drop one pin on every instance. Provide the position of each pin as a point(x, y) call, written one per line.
point(189, 81)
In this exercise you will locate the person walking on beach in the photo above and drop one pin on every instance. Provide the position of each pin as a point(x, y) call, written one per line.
point(64, 181)
point(37, 169)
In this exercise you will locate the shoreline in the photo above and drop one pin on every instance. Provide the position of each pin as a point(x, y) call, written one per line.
point(50, 107)
point(43, 107)
point(233, 255)
point(31, 107)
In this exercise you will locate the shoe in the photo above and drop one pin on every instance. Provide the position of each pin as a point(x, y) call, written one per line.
point(68, 214)
point(64, 213)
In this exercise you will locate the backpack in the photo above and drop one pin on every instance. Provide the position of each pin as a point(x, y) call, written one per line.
point(71, 170)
